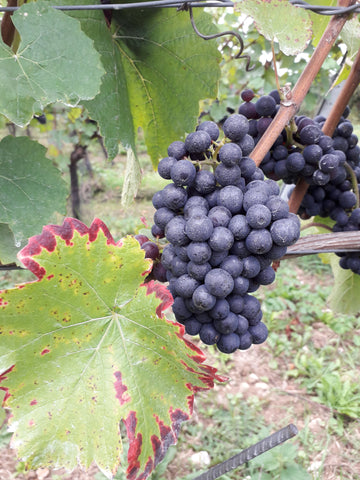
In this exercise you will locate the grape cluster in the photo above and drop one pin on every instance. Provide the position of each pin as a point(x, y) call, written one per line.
point(302, 150)
point(225, 225)
point(350, 260)
point(330, 165)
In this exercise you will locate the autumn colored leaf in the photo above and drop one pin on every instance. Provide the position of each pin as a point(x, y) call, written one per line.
point(85, 346)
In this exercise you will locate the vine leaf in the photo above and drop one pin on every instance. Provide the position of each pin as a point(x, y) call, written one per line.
point(45, 70)
point(157, 70)
point(86, 346)
point(279, 21)
point(31, 192)
point(350, 34)
point(344, 297)
point(320, 22)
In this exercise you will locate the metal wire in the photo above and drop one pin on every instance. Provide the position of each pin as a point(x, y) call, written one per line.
point(188, 6)
point(326, 10)
point(249, 453)
point(125, 6)
point(319, 9)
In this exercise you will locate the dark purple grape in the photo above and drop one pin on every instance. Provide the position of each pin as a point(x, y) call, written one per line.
point(141, 238)
point(236, 127)
point(219, 282)
point(165, 166)
point(228, 343)
point(266, 106)
point(197, 142)
point(151, 250)
point(230, 154)
point(210, 128)
point(247, 95)
point(208, 334)
point(177, 150)
point(182, 173)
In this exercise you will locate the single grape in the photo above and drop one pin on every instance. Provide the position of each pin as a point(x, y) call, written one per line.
point(151, 250)
point(236, 127)
point(233, 265)
point(199, 228)
point(197, 142)
point(219, 282)
point(185, 286)
point(220, 310)
point(221, 239)
point(204, 182)
point(175, 231)
point(227, 325)
point(203, 298)
point(259, 241)
point(211, 128)
point(220, 216)
point(258, 216)
point(199, 252)
point(230, 154)
point(183, 173)
point(265, 106)
point(208, 334)
point(141, 238)
point(192, 326)
point(247, 95)
point(164, 167)
point(259, 333)
point(228, 343)
point(231, 197)
point(177, 150)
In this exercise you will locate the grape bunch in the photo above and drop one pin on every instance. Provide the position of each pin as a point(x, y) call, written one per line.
point(330, 165)
point(302, 150)
point(225, 224)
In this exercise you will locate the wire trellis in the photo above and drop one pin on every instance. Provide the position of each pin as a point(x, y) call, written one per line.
point(319, 9)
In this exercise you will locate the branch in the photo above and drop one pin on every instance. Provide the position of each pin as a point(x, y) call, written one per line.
point(325, 243)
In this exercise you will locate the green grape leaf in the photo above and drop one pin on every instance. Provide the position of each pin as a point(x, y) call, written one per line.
point(320, 22)
point(45, 69)
point(281, 22)
point(344, 296)
point(31, 188)
point(86, 346)
point(350, 34)
point(157, 70)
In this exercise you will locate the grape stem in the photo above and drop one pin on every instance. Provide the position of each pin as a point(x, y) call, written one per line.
point(275, 67)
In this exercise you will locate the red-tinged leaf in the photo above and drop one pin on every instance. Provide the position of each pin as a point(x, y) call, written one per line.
point(85, 346)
